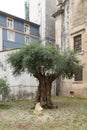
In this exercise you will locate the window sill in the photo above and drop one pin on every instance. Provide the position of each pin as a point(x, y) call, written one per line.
point(80, 53)
point(11, 40)
point(77, 82)
point(10, 28)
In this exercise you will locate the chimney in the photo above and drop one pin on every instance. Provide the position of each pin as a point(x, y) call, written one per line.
point(26, 10)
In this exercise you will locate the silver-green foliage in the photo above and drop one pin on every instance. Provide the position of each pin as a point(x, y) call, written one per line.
point(4, 89)
point(36, 58)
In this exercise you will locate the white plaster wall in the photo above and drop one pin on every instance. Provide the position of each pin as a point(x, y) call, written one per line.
point(41, 13)
point(37, 14)
point(34, 11)
point(23, 82)
point(0, 39)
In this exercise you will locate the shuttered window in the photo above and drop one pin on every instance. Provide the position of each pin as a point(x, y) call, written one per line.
point(79, 75)
point(77, 43)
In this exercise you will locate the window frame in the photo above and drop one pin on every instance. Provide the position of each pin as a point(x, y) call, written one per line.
point(78, 43)
point(10, 21)
point(27, 37)
point(79, 76)
point(26, 28)
point(9, 36)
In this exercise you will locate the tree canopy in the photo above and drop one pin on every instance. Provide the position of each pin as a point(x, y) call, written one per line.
point(35, 58)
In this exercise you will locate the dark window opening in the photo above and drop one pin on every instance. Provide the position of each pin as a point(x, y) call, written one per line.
point(77, 43)
point(79, 75)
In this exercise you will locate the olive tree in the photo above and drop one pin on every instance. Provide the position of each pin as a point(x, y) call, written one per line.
point(46, 63)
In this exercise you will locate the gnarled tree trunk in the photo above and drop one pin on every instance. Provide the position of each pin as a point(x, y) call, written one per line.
point(44, 91)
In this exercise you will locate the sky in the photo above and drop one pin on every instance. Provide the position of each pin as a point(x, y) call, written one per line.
point(14, 7)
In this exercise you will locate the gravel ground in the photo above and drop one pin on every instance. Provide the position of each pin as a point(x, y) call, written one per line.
point(71, 114)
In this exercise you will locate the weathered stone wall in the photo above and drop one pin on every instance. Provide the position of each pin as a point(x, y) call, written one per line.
point(78, 12)
point(62, 26)
point(72, 23)
point(58, 25)
point(65, 26)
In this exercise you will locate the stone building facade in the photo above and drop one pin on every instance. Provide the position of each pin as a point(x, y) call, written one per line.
point(71, 32)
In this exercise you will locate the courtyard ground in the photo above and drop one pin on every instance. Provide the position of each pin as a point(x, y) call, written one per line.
point(71, 114)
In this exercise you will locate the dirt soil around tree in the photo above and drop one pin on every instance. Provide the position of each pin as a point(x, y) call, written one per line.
point(71, 114)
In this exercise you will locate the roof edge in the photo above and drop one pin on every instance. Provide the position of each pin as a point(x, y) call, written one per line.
point(18, 18)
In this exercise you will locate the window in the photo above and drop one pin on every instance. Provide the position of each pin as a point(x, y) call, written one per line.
point(26, 28)
point(27, 39)
point(10, 35)
point(10, 23)
point(79, 75)
point(77, 43)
